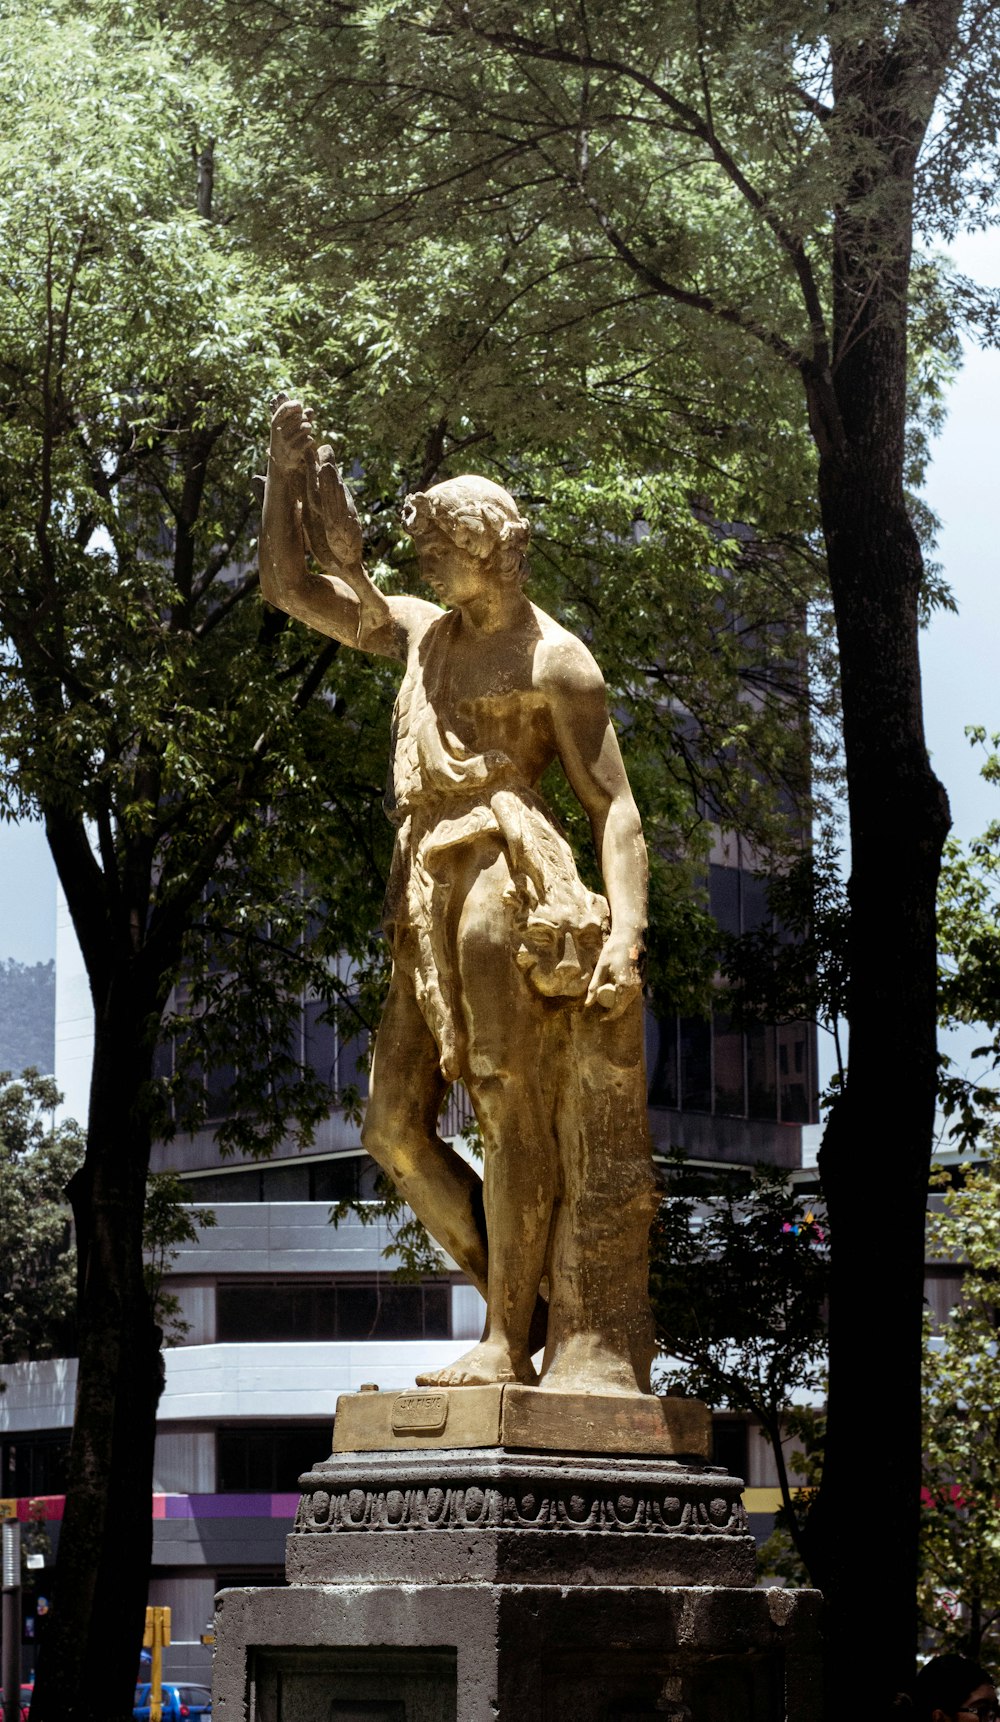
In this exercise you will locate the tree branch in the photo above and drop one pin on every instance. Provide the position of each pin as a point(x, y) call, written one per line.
point(220, 556)
point(811, 103)
point(84, 887)
point(687, 296)
point(233, 597)
point(521, 46)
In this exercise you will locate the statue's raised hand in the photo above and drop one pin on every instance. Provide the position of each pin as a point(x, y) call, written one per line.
point(292, 447)
point(329, 518)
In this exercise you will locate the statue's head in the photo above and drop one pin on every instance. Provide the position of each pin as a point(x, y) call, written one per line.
point(478, 516)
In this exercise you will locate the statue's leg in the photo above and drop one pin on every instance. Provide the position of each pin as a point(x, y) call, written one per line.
point(507, 1073)
point(600, 1335)
point(400, 1132)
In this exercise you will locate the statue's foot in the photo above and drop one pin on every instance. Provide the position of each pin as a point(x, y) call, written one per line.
point(489, 1362)
point(582, 1365)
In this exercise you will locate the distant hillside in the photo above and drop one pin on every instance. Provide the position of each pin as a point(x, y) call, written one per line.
point(27, 1016)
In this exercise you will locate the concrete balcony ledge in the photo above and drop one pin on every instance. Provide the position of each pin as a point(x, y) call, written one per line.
point(276, 1237)
point(288, 1379)
point(284, 1380)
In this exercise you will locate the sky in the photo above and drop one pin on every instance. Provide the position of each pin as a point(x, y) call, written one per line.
point(961, 672)
point(959, 652)
point(27, 895)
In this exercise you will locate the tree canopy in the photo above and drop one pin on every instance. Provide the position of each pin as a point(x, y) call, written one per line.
point(970, 966)
point(147, 712)
point(175, 742)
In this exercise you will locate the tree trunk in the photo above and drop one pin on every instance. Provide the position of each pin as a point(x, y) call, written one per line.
point(876, 1152)
point(87, 1658)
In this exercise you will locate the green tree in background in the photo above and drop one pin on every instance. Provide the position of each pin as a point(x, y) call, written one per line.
point(174, 742)
point(37, 1250)
point(960, 1579)
point(37, 1259)
point(740, 1277)
point(969, 919)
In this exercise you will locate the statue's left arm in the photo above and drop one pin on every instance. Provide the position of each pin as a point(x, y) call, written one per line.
point(591, 758)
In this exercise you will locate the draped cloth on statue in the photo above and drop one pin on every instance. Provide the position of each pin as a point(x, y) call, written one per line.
point(443, 796)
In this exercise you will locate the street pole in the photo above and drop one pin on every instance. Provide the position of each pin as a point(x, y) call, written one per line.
point(11, 1620)
point(155, 1638)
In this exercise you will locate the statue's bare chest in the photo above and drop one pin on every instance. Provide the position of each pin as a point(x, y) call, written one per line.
point(482, 692)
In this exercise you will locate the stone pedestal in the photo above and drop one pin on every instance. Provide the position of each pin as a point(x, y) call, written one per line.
point(484, 1584)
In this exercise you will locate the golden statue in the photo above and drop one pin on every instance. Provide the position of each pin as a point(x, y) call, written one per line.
point(507, 972)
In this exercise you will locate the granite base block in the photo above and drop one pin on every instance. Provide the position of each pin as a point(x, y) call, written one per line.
point(489, 1586)
point(516, 1653)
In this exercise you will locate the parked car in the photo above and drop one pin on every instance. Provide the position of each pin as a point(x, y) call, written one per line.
point(26, 1690)
point(180, 1703)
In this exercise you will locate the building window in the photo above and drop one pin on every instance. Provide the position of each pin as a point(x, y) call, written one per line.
point(262, 1459)
point(793, 1073)
point(942, 1291)
point(711, 1066)
point(727, 1067)
point(696, 1064)
point(338, 1057)
point(341, 1178)
point(34, 1464)
point(661, 1060)
point(347, 1178)
point(724, 897)
point(729, 1445)
point(701, 1065)
point(264, 1310)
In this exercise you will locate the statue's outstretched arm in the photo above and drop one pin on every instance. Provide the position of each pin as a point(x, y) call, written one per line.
point(307, 506)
